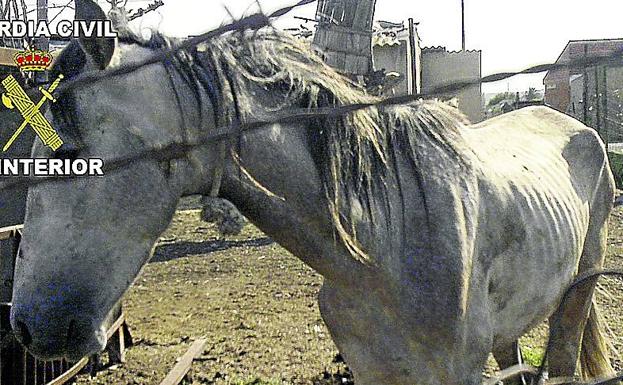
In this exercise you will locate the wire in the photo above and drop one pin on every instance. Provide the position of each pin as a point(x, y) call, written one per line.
point(254, 22)
point(61, 11)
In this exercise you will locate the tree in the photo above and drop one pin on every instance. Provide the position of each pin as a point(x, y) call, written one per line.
point(500, 98)
point(532, 94)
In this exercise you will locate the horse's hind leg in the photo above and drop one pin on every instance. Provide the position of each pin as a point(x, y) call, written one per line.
point(575, 325)
point(507, 356)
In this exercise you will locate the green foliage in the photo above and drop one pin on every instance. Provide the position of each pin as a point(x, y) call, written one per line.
point(501, 97)
point(616, 165)
point(531, 95)
point(532, 356)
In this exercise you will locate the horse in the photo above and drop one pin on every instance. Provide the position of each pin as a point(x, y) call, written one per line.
point(439, 241)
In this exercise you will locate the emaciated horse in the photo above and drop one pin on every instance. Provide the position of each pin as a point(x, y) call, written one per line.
point(439, 242)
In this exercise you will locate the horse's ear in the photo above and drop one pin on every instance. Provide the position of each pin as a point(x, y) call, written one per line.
point(98, 48)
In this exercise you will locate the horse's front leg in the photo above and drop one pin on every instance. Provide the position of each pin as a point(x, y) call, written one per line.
point(380, 347)
point(507, 356)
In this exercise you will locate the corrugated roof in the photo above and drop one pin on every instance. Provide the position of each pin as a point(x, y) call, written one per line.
point(384, 40)
point(440, 48)
point(388, 34)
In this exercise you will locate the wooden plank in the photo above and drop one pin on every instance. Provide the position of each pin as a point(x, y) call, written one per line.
point(116, 325)
point(9, 231)
point(121, 346)
point(71, 373)
point(351, 64)
point(176, 375)
point(6, 56)
point(116, 343)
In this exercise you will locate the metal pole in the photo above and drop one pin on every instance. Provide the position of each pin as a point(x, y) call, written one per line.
point(598, 101)
point(42, 14)
point(606, 135)
point(585, 90)
point(463, 23)
point(413, 62)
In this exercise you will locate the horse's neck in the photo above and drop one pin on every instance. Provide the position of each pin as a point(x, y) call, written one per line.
point(280, 191)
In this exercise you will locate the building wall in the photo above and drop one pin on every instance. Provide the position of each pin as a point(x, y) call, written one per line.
point(557, 88)
point(391, 51)
point(557, 92)
point(440, 67)
point(393, 58)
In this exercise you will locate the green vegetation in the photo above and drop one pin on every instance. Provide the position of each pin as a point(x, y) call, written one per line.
point(616, 164)
point(532, 94)
point(501, 97)
point(532, 356)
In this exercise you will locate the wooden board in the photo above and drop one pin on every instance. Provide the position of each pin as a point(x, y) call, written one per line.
point(115, 326)
point(6, 56)
point(344, 34)
point(71, 373)
point(9, 231)
point(179, 371)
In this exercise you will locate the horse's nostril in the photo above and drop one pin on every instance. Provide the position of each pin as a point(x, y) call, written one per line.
point(71, 331)
point(22, 333)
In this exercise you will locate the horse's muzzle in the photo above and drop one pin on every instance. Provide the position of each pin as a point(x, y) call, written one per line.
point(55, 338)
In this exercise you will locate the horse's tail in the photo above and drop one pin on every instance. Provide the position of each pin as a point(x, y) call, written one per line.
point(596, 348)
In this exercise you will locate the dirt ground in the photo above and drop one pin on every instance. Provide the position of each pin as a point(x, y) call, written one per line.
point(256, 305)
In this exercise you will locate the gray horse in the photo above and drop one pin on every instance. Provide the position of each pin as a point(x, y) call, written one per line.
point(439, 242)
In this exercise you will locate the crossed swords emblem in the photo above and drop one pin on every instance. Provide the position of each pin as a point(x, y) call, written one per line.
point(31, 112)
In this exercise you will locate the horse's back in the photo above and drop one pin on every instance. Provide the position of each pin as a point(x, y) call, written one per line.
point(540, 149)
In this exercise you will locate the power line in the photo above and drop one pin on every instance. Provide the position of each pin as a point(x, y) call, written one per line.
point(61, 10)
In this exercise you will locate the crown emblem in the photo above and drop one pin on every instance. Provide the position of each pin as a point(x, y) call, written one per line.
point(33, 60)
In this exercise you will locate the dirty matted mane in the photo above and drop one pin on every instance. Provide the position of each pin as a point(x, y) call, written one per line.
point(353, 151)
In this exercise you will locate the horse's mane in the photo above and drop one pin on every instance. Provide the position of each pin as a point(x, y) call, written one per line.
point(354, 151)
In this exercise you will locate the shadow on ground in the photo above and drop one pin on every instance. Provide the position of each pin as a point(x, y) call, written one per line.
point(171, 251)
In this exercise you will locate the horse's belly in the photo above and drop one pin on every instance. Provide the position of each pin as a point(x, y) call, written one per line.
point(526, 298)
point(528, 277)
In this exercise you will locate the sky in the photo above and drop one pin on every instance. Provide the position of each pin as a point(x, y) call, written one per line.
point(511, 34)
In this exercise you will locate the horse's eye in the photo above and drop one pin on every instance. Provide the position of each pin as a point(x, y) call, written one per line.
point(66, 151)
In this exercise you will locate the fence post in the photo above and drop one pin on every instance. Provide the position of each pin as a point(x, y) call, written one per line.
point(413, 84)
point(585, 88)
point(606, 119)
point(597, 103)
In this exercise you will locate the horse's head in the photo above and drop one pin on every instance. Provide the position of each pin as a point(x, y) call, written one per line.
point(86, 239)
